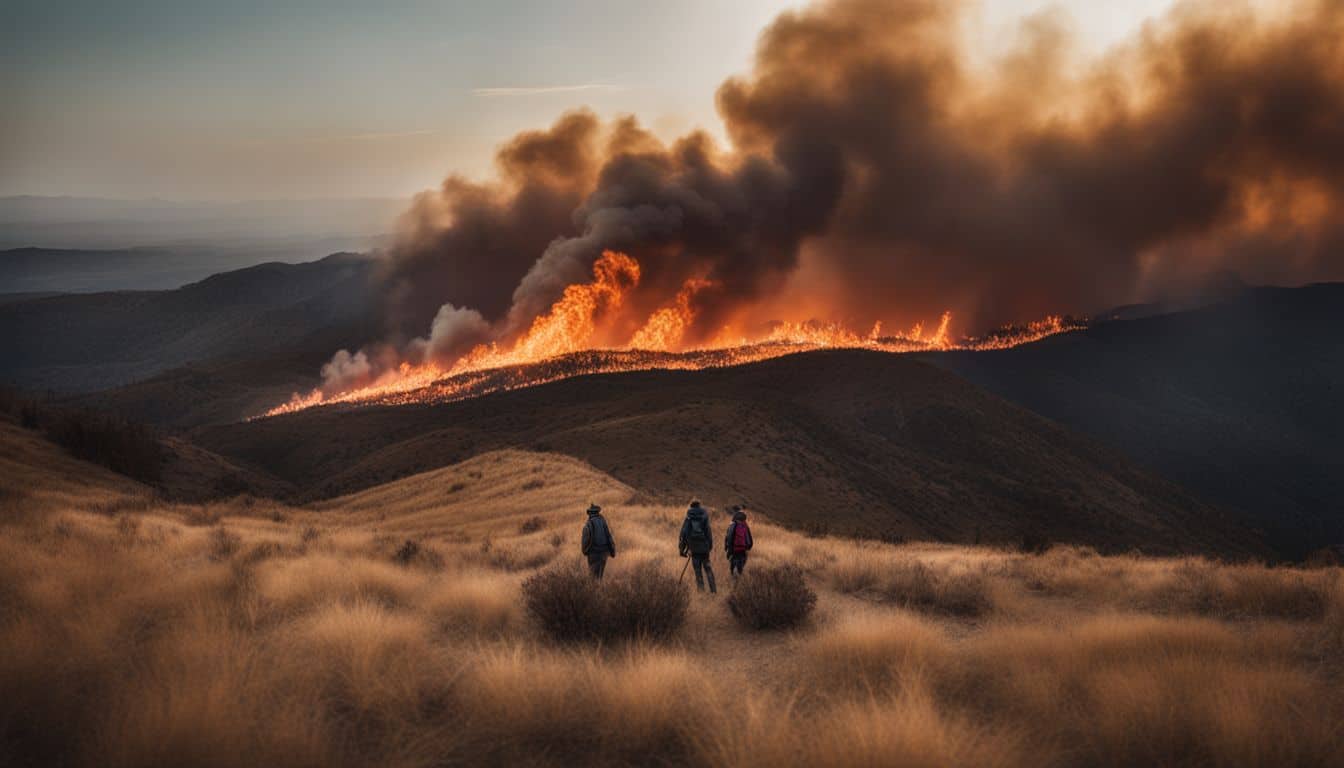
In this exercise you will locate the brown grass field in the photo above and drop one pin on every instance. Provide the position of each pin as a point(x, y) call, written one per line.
point(134, 632)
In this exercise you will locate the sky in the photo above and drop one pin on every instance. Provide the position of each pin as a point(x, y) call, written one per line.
point(290, 99)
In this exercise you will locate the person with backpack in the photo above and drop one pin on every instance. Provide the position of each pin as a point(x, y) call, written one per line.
point(696, 540)
point(597, 542)
point(737, 542)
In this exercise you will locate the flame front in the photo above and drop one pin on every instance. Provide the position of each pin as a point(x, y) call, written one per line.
point(563, 343)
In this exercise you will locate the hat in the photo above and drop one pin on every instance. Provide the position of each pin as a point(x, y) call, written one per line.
point(593, 509)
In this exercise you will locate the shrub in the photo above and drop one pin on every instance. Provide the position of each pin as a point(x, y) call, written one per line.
point(772, 598)
point(642, 603)
point(121, 446)
point(531, 525)
point(645, 602)
point(916, 586)
point(407, 552)
point(223, 543)
point(412, 553)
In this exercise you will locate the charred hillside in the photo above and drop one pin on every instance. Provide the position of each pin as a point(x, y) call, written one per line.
point(847, 441)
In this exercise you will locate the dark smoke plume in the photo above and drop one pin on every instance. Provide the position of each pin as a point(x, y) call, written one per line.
point(877, 173)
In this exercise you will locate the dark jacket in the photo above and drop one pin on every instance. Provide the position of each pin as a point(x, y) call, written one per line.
point(732, 532)
point(597, 537)
point(688, 544)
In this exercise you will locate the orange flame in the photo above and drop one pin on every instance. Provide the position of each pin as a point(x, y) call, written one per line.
point(560, 344)
point(665, 328)
point(570, 324)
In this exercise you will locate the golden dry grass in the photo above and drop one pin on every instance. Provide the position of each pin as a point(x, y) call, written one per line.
point(131, 636)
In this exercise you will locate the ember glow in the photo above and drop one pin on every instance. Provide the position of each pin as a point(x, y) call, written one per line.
point(566, 342)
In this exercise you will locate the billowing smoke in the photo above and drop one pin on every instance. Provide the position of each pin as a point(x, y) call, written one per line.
point(880, 172)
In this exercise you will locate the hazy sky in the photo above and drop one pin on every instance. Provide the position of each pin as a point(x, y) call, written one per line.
point(286, 98)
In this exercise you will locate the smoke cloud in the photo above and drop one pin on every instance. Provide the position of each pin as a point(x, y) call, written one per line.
point(879, 172)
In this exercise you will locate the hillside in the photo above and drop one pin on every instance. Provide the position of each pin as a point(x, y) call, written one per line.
point(80, 343)
point(412, 624)
point(39, 478)
point(846, 441)
point(148, 268)
point(1239, 402)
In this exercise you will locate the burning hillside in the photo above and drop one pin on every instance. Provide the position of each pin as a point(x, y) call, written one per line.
point(878, 174)
point(566, 341)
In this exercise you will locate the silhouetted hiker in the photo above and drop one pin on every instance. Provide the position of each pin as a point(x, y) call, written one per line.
point(737, 542)
point(696, 539)
point(597, 542)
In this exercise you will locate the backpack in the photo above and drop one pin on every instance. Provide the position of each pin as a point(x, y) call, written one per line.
point(599, 540)
point(699, 530)
point(741, 535)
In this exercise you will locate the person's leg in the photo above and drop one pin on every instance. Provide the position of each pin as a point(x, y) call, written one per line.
point(735, 565)
point(741, 563)
point(698, 562)
point(596, 565)
point(709, 574)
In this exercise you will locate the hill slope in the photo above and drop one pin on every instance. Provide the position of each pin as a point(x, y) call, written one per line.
point(1239, 402)
point(851, 441)
point(76, 343)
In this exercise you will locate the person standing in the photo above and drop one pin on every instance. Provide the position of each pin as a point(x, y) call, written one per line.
point(697, 541)
point(737, 542)
point(597, 543)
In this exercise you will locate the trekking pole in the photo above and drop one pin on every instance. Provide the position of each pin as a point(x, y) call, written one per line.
point(683, 571)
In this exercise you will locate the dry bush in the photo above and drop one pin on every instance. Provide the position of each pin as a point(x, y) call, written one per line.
point(772, 597)
point(911, 583)
point(919, 586)
point(520, 556)
point(531, 525)
point(1186, 585)
point(871, 652)
point(1142, 690)
point(586, 707)
point(1246, 590)
point(640, 603)
point(644, 602)
point(223, 543)
point(413, 553)
point(909, 728)
point(121, 446)
point(291, 586)
point(128, 526)
point(859, 571)
point(473, 604)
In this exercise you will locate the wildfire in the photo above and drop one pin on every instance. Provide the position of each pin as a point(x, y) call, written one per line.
point(565, 342)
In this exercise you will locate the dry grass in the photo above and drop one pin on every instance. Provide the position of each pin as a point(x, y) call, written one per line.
point(295, 636)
